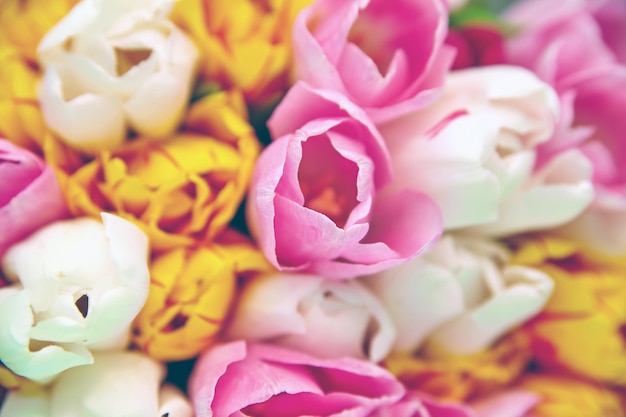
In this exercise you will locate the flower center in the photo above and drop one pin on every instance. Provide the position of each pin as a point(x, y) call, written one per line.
point(128, 58)
point(327, 180)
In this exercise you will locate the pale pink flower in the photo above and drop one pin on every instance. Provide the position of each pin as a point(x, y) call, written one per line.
point(327, 318)
point(579, 47)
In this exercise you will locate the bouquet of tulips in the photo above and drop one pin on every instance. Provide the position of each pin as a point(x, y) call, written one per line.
point(284, 208)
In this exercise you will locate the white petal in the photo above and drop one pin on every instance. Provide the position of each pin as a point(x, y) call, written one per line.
point(326, 318)
point(42, 365)
point(117, 384)
point(554, 195)
point(527, 290)
point(173, 403)
point(157, 106)
point(419, 297)
point(268, 306)
point(88, 122)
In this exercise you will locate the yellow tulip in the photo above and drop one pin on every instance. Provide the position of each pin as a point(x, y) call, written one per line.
point(567, 397)
point(24, 23)
point(243, 43)
point(191, 292)
point(179, 191)
point(581, 328)
point(460, 378)
point(21, 121)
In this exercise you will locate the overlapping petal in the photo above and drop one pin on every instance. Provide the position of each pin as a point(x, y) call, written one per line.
point(308, 313)
point(191, 292)
point(81, 283)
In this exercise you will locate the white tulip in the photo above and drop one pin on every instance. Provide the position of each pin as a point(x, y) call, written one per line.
point(81, 283)
point(474, 152)
point(110, 65)
point(117, 384)
point(327, 318)
point(460, 297)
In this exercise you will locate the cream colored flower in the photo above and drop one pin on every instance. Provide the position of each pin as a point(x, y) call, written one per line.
point(81, 283)
point(474, 151)
point(460, 297)
point(117, 384)
point(327, 318)
point(112, 65)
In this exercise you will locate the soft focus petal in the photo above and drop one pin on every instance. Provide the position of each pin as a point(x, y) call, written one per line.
point(310, 314)
point(364, 49)
point(460, 297)
point(338, 213)
point(87, 283)
point(108, 70)
point(512, 403)
point(26, 185)
point(191, 292)
point(462, 377)
point(237, 378)
point(585, 313)
point(242, 44)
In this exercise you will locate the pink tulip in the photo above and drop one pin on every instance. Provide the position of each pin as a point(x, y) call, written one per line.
point(579, 47)
point(387, 56)
point(316, 203)
point(238, 379)
point(30, 196)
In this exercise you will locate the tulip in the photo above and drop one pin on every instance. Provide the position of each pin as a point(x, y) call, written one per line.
point(366, 49)
point(110, 66)
point(29, 195)
point(460, 297)
point(474, 152)
point(579, 48)
point(329, 319)
point(78, 285)
point(243, 44)
point(21, 121)
point(459, 378)
point(238, 378)
point(117, 383)
point(191, 291)
point(333, 219)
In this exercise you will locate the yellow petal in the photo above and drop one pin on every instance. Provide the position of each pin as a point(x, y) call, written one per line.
point(191, 292)
point(580, 329)
point(462, 377)
point(243, 43)
point(567, 397)
point(178, 191)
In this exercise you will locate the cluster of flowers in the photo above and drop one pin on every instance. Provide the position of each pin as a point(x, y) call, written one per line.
point(407, 208)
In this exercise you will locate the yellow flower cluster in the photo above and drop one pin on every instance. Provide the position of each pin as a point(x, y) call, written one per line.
point(178, 191)
point(190, 295)
point(22, 26)
point(243, 43)
point(463, 378)
point(581, 329)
